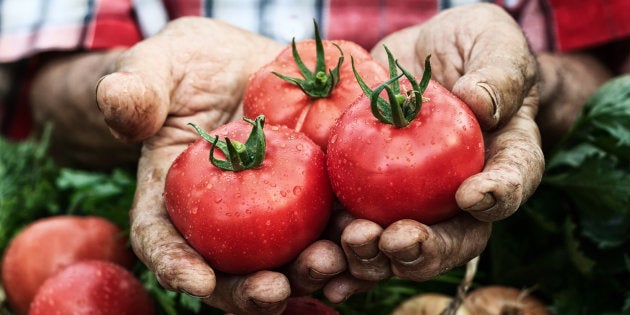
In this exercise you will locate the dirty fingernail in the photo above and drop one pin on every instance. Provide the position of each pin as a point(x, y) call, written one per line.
point(365, 251)
point(317, 275)
point(407, 254)
point(487, 202)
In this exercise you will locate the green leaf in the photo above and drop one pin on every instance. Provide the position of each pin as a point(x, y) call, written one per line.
point(605, 119)
point(27, 184)
point(573, 157)
point(166, 300)
point(108, 195)
point(580, 260)
point(600, 194)
point(592, 165)
point(191, 303)
point(609, 109)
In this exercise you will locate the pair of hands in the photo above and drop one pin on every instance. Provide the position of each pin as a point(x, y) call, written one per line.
point(196, 70)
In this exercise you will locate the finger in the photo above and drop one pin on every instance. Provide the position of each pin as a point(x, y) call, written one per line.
point(402, 241)
point(134, 99)
point(499, 69)
point(438, 248)
point(317, 264)
point(340, 288)
point(154, 238)
point(263, 292)
point(514, 167)
point(176, 266)
point(339, 220)
point(360, 243)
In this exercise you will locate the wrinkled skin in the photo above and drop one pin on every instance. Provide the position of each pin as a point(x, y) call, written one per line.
point(490, 67)
point(80, 137)
point(156, 91)
point(562, 95)
point(178, 76)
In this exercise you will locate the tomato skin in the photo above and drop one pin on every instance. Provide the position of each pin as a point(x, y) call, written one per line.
point(386, 174)
point(283, 103)
point(50, 244)
point(255, 219)
point(92, 287)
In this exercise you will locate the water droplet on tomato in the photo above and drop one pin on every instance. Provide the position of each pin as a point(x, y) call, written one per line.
point(299, 147)
point(218, 199)
point(283, 193)
point(297, 190)
point(333, 139)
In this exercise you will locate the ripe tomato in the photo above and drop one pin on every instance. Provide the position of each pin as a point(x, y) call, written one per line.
point(50, 244)
point(385, 173)
point(92, 287)
point(285, 103)
point(253, 219)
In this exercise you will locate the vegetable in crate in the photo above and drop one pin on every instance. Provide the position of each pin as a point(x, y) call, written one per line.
point(406, 157)
point(288, 93)
point(259, 208)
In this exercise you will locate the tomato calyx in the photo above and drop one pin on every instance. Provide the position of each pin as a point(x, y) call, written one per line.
point(238, 156)
point(403, 106)
point(318, 84)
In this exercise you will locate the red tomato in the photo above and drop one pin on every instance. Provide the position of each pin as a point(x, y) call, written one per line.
point(385, 174)
point(92, 287)
point(254, 219)
point(284, 103)
point(50, 244)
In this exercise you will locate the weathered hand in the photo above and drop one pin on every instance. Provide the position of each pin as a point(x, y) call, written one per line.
point(62, 93)
point(195, 70)
point(480, 54)
point(562, 95)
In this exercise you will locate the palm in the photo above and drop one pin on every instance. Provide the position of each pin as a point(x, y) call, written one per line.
point(195, 70)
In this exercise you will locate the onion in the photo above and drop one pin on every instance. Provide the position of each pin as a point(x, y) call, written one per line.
point(502, 300)
point(427, 304)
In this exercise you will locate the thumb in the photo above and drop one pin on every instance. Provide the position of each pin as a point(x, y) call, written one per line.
point(499, 70)
point(134, 99)
point(494, 93)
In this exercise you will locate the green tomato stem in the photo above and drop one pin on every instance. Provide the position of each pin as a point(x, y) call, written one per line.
point(402, 107)
point(321, 82)
point(239, 156)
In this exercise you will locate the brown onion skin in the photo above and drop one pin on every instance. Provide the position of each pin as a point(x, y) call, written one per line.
point(503, 300)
